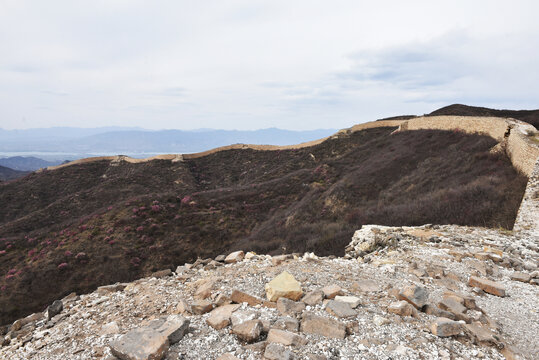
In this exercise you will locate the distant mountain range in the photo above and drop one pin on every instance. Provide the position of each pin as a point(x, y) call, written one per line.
point(133, 141)
point(26, 163)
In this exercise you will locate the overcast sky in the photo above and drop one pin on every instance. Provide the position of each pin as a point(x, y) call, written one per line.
point(249, 64)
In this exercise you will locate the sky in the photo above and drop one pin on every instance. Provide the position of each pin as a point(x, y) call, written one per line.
point(250, 64)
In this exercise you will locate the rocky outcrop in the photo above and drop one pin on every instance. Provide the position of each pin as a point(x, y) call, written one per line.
point(435, 292)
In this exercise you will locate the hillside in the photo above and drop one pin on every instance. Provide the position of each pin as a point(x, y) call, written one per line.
point(10, 174)
point(85, 225)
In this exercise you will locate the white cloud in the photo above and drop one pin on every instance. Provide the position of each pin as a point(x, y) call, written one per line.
point(252, 64)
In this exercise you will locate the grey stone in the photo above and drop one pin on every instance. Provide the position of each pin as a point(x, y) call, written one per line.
point(290, 308)
point(278, 352)
point(248, 331)
point(415, 295)
point(340, 309)
point(314, 324)
point(285, 337)
point(54, 309)
point(241, 316)
point(286, 323)
point(313, 297)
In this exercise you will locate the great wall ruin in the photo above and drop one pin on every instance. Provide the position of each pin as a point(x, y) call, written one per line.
point(518, 139)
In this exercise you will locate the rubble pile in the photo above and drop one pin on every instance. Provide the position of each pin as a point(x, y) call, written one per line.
point(429, 292)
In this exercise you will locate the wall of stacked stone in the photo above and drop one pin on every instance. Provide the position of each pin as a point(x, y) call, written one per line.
point(521, 147)
point(527, 220)
point(494, 127)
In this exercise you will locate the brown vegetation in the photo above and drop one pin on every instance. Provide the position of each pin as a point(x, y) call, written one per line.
point(85, 225)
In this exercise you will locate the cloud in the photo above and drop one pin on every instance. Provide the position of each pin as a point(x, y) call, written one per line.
point(250, 64)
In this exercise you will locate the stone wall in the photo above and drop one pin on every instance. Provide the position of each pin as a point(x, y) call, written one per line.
point(513, 134)
point(494, 127)
point(527, 220)
point(521, 145)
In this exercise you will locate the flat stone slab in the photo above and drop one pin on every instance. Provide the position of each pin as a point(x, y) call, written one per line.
point(241, 297)
point(313, 297)
point(290, 308)
point(340, 309)
point(248, 331)
point(520, 276)
point(285, 338)
point(488, 286)
point(331, 291)
point(353, 301)
point(286, 323)
point(445, 327)
point(278, 352)
point(150, 342)
point(314, 324)
point(402, 308)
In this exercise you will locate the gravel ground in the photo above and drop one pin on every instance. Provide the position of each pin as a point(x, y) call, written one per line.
point(437, 258)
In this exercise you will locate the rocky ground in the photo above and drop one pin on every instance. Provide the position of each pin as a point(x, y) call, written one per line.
point(430, 292)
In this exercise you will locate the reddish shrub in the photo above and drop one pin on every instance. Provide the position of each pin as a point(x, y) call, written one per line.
point(135, 261)
point(186, 200)
point(62, 266)
point(81, 256)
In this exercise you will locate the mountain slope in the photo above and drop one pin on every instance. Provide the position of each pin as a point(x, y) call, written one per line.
point(10, 174)
point(78, 227)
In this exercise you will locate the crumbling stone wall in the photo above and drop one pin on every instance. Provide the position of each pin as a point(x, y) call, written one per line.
point(513, 134)
point(494, 127)
point(527, 220)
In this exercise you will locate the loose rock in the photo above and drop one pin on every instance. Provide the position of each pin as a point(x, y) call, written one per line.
point(234, 257)
point(415, 295)
point(314, 324)
point(488, 286)
point(248, 331)
point(290, 308)
point(331, 291)
point(445, 327)
point(340, 309)
point(150, 341)
point(284, 285)
point(285, 338)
